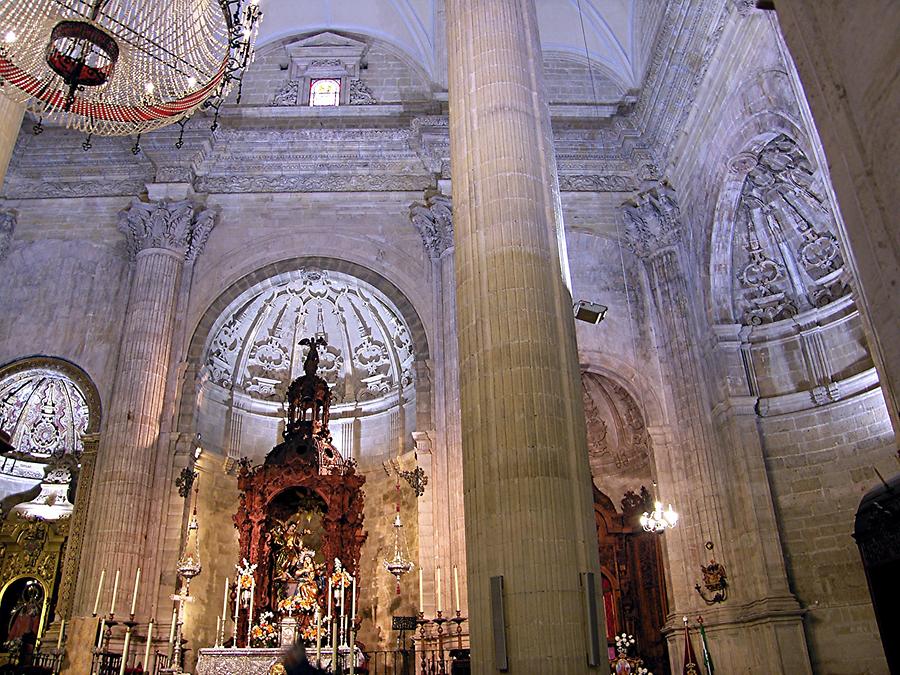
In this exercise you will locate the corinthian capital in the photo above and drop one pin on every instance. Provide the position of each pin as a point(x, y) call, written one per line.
point(434, 222)
point(173, 225)
point(652, 221)
point(7, 227)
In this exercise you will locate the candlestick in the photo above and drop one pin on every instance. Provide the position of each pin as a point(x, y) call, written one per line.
point(456, 585)
point(342, 597)
point(62, 631)
point(134, 596)
point(421, 592)
point(146, 663)
point(318, 637)
point(112, 604)
point(334, 645)
point(237, 608)
point(353, 602)
point(438, 593)
point(99, 590)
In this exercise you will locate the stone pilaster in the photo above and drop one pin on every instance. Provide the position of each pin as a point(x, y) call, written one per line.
point(433, 219)
point(160, 237)
point(717, 481)
point(528, 505)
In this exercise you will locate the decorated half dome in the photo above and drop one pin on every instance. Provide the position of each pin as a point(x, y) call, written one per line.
point(44, 413)
point(255, 345)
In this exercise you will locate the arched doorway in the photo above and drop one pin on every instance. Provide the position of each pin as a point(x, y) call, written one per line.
point(620, 450)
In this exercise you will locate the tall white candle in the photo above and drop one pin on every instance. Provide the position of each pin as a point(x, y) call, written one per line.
point(421, 592)
point(218, 629)
point(124, 664)
point(99, 590)
point(237, 608)
point(318, 638)
point(146, 661)
point(62, 632)
point(250, 610)
point(225, 607)
point(456, 585)
point(438, 590)
point(330, 593)
point(134, 595)
point(353, 602)
point(100, 634)
point(342, 597)
point(172, 631)
point(112, 604)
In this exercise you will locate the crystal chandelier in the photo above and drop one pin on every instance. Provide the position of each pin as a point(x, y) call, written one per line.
point(659, 520)
point(119, 67)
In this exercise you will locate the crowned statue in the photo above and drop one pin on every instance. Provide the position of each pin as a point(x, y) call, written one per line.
point(296, 575)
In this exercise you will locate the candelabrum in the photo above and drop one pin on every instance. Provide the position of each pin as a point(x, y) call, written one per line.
point(432, 630)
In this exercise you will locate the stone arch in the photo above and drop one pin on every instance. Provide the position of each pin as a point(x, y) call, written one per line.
point(69, 370)
point(641, 388)
point(201, 332)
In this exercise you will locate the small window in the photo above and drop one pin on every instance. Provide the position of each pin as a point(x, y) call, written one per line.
point(325, 92)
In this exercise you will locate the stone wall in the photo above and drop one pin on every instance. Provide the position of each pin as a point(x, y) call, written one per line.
point(821, 462)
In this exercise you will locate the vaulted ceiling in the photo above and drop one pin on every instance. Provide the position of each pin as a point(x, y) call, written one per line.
point(619, 33)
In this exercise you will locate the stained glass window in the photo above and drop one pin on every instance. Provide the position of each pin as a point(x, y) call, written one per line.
point(325, 92)
point(44, 412)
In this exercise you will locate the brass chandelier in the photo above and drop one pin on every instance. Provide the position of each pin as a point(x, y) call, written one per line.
point(120, 67)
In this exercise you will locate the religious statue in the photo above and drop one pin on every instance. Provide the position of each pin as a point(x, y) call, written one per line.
point(25, 617)
point(295, 572)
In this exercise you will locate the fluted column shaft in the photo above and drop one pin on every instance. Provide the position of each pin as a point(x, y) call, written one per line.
point(526, 478)
point(160, 237)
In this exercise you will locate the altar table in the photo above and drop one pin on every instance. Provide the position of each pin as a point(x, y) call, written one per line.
point(228, 661)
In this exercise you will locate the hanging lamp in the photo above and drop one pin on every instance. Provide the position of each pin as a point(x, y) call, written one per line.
point(122, 67)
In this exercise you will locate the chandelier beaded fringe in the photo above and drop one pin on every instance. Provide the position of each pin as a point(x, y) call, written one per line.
point(121, 67)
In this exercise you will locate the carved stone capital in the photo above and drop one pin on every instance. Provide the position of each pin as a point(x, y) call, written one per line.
point(7, 227)
point(652, 221)
point(433, 220)
point(172, 225)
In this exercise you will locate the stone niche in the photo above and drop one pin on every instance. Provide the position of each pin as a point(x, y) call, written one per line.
point(325, 56)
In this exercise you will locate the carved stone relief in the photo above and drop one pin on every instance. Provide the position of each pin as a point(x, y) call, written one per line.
point(369, 354)
point(433, 220)
point(786, 256)
point(652, 221)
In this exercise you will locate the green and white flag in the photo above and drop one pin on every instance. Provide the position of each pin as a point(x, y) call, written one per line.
point(707, 658)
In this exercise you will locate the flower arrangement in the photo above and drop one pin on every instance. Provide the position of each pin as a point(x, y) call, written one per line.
point(623, 664)
point(264, 634)
point(308, 632)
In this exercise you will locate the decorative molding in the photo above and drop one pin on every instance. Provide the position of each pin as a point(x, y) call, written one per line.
point(172, 225)
point(597, 183)
point(7, 228)
point(31, 189)
point(433, 220)
point(288, 94)
point(833, 392)
point(652, 221)
point(321, 182)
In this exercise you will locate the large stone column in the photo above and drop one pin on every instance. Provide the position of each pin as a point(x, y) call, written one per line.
point(526, 478)
point(161, 236)
point(11, 114)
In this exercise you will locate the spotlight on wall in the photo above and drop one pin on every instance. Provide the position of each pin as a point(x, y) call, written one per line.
point(590, 312)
